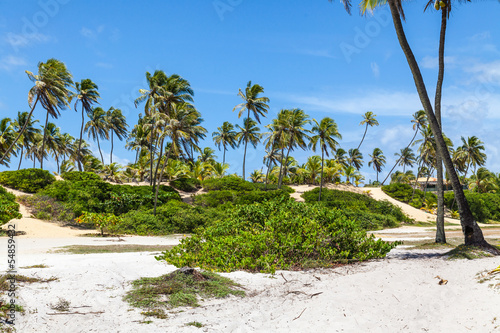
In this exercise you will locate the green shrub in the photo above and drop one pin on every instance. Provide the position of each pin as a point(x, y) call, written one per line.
point(27, 180)
point(271, 187)
point(186, 184)
point(355, 202)
point(216, 198)
point(278, 234)
point(484, 206)
point(47, 208)
point(80, 176)
point(232, 183)
point(9, 208)
point(404, 192)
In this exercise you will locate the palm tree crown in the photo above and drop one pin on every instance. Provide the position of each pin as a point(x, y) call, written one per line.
point(252, 103)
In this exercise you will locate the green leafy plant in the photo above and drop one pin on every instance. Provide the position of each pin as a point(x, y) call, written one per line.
point(9, 208)
point(99, 220)
point(186, 184)
point(27, 180)
point(79, 176)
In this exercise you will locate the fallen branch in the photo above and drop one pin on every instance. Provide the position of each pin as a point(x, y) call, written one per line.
point(299, 314)
point(68, 313)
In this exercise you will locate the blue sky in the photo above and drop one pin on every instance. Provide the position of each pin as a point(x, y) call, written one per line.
point(310, 55)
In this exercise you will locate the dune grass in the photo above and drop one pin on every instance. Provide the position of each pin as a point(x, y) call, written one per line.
point(88, 249)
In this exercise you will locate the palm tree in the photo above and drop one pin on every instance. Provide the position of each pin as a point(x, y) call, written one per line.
point(483, 181)
point(53, 141)
point(341, 158)
point(472, 233)
point(276, 141)
point(406, 158)
point(471, 151)
point(256, 176)
point(252, 103)
point(368, 120)
point(51, 89)
point(29, 132)
point(295, 132)
point(138, 138)
point(326, 131)
point(87, 95)
point(272, 157)
point(7, 137)
point(225, 136)
point(112, 172)
point(117, 125)
point(314, 166)
point(97, 127)
point(207, 155)
point(355, 158)
point(248, 133)
point(378, 160)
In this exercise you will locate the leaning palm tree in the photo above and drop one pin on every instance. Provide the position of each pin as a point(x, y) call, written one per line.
point(325, 132)
point(472, 233)
point(368, 120)
point(248, 133)
point(29, 132)
point(51, 89)
point(225, 136)
point(7, 137)
point(252, 102)
point(117, 125)
point(87, 95)
point(97, 127)
point(378, 160)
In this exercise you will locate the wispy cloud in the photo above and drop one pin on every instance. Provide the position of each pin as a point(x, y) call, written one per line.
point(485, 72)
point(432, 62)
point(11, 62)
point(23, 40)
point(480, 36)
point(375, 69)
point(104, 65)
point(93, 34)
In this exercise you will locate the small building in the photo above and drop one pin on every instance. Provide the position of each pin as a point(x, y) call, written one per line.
point(432, 184)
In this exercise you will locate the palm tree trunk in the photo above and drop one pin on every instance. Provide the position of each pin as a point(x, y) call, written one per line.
point(283, 174)
point(44, 138)
point(244, 158)
point(20, 132)
point(78, 153)
point(472, 233)
point(440, 233)
point(281, 163)
point(151, 156)
point(57, 161)
point(224, 155)
point(399, 159)
point(366, 129)
point(111, 155)
point(416, 181)
point(21, 158)
point(267, 173)
point(159, 160)
point(99, 146)
point(321, 183)
point(161, 176)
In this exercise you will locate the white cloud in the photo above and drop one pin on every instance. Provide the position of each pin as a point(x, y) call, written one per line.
point(432, 62)
point(23, 40)
point(480, 36)
point(87, 33)
point(10, 62)
point(485, 72)
point(375, 69)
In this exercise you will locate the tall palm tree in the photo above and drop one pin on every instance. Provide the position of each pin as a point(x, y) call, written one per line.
point(295, 132)
point(207, 155)
point(368, 120)
point(340, 157)
point(117, 125)
point(7, 137)
point(97, 127)
point(355, 158)
point(138, 138)
point(87, 95)
point(378, 160)
point(252, 102)
point(276, 139)
point(406, 158)
point(29, 132)
point(472, 152)
point(53, 141)
point(483, 181)
point(472, 233)
point(225, 136)
point(325, 133)
point(272, 157)
point(248, 133)
point(51, 89)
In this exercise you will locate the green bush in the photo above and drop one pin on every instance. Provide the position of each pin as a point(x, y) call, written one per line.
point(80, 176)
point(172, 217)
point(484, 206)
point(355, 202)
point(279, 234)
point(271, 187)
point(216, 198)
point(27, 180)
point(47, 208)
point(232, 183)
point(186, 184)
point(404, 192)
point(9, 208)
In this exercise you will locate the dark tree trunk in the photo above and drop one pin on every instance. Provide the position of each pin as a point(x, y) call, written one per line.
point(43, 141)
point(99, 146)
point(366, 129)
point(21, 158)
point(321, 183)
point(111, 155)
point(244, 158)
point(161, 176)
point(224, 156)
point(440, 233)
point(78, 153)
point(472, 233)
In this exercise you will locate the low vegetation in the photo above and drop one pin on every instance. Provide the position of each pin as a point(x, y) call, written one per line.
point(278, 234)
point(87, 249)
point(182, 287)
point(467, 252)
point(405, 193)
point(9, 208)
point(27, 180)
point(484, 206)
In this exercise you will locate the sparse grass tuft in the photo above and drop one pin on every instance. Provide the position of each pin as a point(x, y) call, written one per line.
point(179, 289)
point(467, 252)
point(86, 249)
point(35, 266)
point(62, 305)
point(195, 324)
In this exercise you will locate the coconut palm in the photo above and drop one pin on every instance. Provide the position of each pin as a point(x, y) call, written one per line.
point(472, 151)
point(472, 233)
point(314, 167)
point(368, 120)
point(325, 133)
point(275, 142)
point(219, 169)
point(97, 127)
point(406, 158)
point(252, 102)
point(117, 125)
point(248, 133)
point(112, 172)
point(87, 95)
point(378, 160)
point(272, 157)
point(138, 138)
point(256, 176)
point(225, 136)
point(207, 155)
point(483, 181)
point(7, 137)
point(355, 158)
point(341, 158)
point(51, 89)
point(53, 141)
point(29, 132)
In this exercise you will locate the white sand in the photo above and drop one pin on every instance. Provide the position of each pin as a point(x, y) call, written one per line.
point(397, 294)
